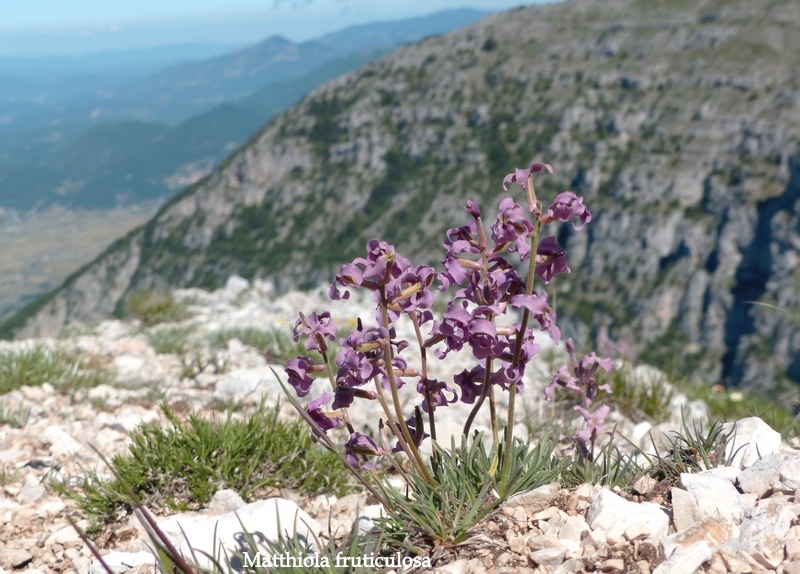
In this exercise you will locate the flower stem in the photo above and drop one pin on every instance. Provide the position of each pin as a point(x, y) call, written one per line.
point(406, 434)
point(423, 354)
point(332, 379)
point(512, 391)
point(487, 383)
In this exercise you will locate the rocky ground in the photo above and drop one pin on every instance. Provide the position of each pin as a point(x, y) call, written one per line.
point(738, 518)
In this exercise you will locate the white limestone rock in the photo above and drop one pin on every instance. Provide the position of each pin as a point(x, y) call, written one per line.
point(773, 473)
point(752, 439)
point(716, 497)
point(265, 520)
point(613, 514)
point(770, 516)
point(535, 500)
point(686, 560)
point(712, 531)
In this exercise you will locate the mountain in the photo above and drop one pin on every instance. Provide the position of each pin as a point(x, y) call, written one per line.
point(93, 89)
point(220, 102)
point(679, 122)
point(132, 60)
point(123, 163)
point(188, 88)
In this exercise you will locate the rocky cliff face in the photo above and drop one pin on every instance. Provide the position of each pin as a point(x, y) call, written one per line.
point(679, 122)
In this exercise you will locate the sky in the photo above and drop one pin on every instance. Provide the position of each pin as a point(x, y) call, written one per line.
point(74, 27)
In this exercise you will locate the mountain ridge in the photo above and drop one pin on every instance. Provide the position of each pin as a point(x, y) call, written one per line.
point(679, 127)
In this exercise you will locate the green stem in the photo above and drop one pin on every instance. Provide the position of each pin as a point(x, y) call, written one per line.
point(493, 413)
point(424, 371)
point(479, 403)
point(512, 391)
point(390, 419)
point(401, 422)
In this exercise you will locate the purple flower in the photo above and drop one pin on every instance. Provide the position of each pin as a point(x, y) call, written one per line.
point(415, 429)
point(512, 227)
point(471, 383)
point(566, 206)
point(580, 378)
point(411, 291)
point(586, 370)
point(537, 306)
point(453, 328)
point(361, 444)
point(520, 176)
point(594, 422)
point(562, 378)
point(461, 239)
point(326, 421)
point(455, 273)
point(297, 371)
point(383, 263)
point(508, 374)
point(316, 328)
point(399, 364)
point(355, 369)
point(437, 390)
point(551, 260)
point(483, 339)
point(343, 397)
point(381, 266)
point(491, 292)
point(349, 274)
point(473, 209)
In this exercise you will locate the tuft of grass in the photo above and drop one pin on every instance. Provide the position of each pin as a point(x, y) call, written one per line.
point(610, 467)
point(170, 340)
point(181, 467)
point(638, 399)
point(7, 476)
point(194, 362)
point(692, 449)
point(275, 344)
point(14, 418)
point(154, 307)
point(464, 491)
point(38, 365)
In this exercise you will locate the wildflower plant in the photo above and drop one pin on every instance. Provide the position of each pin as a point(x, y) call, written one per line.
point(580, 378)
point(483, 286)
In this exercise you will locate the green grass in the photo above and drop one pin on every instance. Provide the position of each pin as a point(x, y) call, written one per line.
point(639, 400)
point(38, 365)
point(196, 361)
point(153, 307)
point(170, 340)
point(7, 476)
point(181, 467)
point(276, 345)
point(610, 467)
point(465, 491)
point(695, 448)
point(14, 418)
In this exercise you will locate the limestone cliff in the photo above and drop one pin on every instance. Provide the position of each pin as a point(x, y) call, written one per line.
point(679, 122)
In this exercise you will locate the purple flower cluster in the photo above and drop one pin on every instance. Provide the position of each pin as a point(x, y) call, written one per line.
point(484, 285)
point(580, 378)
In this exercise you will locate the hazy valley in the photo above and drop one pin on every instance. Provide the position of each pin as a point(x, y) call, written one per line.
point(90, 145)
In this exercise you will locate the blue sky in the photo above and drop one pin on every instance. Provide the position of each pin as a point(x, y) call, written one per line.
point(49, 27)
